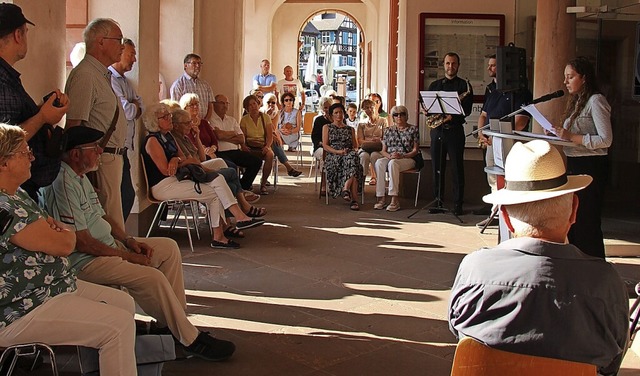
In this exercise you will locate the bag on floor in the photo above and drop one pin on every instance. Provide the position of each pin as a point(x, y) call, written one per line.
point(151, 353)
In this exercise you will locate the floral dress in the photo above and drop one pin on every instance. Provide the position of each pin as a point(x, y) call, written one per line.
point(341, 168)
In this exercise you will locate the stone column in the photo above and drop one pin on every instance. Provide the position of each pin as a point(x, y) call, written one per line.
point(555, 45)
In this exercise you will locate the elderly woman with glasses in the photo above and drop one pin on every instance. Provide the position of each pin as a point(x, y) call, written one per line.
point(162, 157)
point(370, 131)
point(399, 145)
point(190, 102)
point(289, 121)
point(40, 296)
point(269, 107)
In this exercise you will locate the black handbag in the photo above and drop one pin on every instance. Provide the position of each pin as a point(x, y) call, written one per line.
point(197, 174)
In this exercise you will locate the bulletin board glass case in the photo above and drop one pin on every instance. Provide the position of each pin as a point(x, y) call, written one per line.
point(473, 37)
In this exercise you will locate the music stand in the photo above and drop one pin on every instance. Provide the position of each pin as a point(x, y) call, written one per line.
point(446, 103)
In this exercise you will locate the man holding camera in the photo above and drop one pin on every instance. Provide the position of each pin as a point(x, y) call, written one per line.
point(17, 107)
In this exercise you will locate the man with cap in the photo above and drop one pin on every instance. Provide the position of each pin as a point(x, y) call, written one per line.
point(17, 107)
point(105, 254)
point(536, 294)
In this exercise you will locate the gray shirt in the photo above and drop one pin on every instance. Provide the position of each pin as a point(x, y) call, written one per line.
point(92, 99)
point(544, 299)
point(594, 123)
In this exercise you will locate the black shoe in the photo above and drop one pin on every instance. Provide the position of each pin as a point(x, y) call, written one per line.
point(230, 244)
point(253, 222)
point(209, 348)
point(457, 210)
point(294, 173)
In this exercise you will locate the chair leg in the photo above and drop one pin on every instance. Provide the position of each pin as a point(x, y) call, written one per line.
point(31, 349)
point(186, 220)
point(195, 214)
point(155, 217)
point(176, 216)
point(275, 173)
point(415, 204)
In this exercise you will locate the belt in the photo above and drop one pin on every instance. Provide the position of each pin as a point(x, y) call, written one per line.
point(117, 151)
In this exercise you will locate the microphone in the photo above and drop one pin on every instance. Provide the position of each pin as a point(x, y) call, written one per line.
point(548, 97)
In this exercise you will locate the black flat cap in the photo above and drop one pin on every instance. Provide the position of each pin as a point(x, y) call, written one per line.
point(11, 18)
point(81, 135)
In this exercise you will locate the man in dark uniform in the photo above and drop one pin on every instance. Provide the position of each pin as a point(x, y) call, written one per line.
point(448, 138)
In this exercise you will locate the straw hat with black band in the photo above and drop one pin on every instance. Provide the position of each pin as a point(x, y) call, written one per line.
point(535, 171)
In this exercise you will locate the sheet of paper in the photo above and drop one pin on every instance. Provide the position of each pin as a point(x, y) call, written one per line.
point(539, 118)
point(496, 143)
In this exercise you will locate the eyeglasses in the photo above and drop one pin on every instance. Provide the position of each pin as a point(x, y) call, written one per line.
point(220, 102)
point(193, 105)
point(288, 100)
point(95, 147)
point(28, 153)
point(398, 114)
point(166, 116)
point(271, 102)
point(196, 63)
point(260, 96)
point(376, 101)
point(119, 39)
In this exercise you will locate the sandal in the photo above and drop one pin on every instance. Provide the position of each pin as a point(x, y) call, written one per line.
point(354, 205)
point(372, 181)
point(256, 212)
point(233, 232)
point(346, 195)
point(263, 190)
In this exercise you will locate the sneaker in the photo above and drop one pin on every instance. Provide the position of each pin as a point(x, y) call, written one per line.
point(251, 197)
point(294, 173)
point(253, 222)
point(393, 207)
point(209, 348)
point(379, 205)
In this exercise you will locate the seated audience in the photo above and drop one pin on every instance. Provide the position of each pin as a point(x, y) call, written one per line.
point(322, 119)
point(289, 122)
point(190, 102)
point(163, 157)
point(269, 107)
point(342, 166)
point(400, 144)
point(151, 271)
point(258, 137)
point(41, 299)
point(370, 132)
point(536, 294)
point(231, 142)
point(188, 139)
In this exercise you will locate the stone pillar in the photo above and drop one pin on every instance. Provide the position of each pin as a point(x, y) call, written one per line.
point(43, 69)
point(555, 45)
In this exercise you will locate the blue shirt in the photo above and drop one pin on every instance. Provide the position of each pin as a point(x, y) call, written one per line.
point(267, 80)
point(498, 104)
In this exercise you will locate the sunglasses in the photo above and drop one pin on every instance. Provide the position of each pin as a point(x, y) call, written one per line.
point(398, 114)
point(288, 100)
point(270, 102)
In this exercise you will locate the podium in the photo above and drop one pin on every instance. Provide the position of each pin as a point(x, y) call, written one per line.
point(505, 137)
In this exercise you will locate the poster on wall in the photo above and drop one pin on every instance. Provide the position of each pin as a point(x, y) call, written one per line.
point(473, 37)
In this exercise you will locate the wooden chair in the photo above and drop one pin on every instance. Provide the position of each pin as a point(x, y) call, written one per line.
point(473, 358)
point(307, 122)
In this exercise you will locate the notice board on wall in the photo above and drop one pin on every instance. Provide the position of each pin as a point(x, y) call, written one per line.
point(473, 37)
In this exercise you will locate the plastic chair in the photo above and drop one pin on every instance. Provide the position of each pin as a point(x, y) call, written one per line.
point(473, 358)
point(27, 349)
point(179, 207)
point(307, 122)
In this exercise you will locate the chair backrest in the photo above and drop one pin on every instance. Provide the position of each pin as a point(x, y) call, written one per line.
point(307, 122)
point(473, 358)
point(146, 183)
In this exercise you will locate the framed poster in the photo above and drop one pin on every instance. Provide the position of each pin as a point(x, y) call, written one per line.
point(473, 37)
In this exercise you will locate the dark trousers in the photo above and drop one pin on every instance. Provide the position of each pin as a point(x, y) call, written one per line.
point(127, 192)
point(448, 142)
point(250, 163)
point(586, 233)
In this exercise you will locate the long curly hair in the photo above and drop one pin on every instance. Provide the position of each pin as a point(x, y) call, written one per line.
point(578, 101)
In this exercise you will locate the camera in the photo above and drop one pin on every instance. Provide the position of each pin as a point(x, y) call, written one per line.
point(56, 102)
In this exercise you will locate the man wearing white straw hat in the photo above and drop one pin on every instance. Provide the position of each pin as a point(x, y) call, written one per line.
point(536, 294)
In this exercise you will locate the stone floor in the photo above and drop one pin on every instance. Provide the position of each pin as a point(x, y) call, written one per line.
point(322, 290)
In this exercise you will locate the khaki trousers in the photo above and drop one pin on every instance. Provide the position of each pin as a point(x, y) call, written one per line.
point(93, 316)
point(158, 288)
point(109, 176)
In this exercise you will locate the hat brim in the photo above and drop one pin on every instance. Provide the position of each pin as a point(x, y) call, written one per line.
point(507, 197)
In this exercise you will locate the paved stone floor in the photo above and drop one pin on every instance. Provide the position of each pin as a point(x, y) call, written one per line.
point(322, 290)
